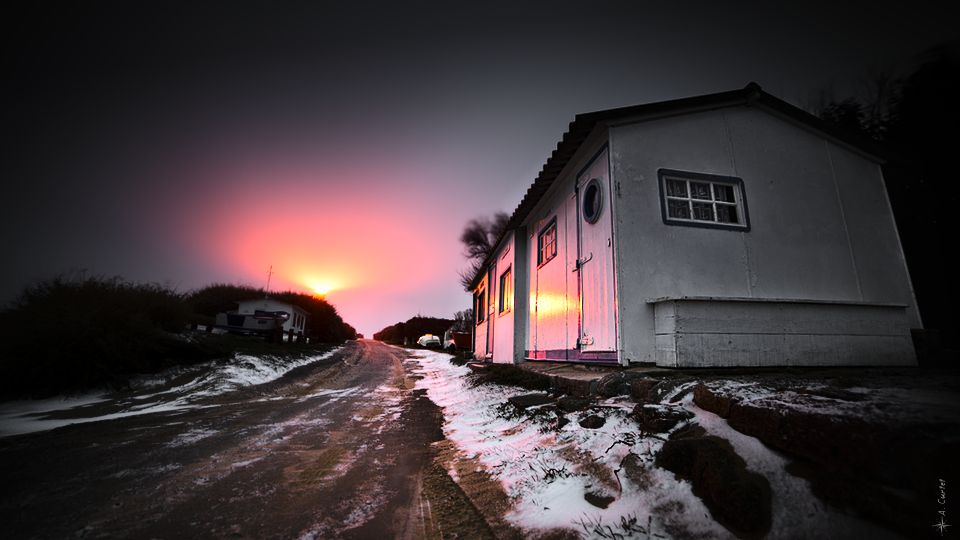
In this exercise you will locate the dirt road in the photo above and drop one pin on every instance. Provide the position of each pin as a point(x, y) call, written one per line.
point(338, 448)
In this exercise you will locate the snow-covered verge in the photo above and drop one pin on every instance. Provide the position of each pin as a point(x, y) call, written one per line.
point(550, 474)
point(575, 477)
point(172, 390)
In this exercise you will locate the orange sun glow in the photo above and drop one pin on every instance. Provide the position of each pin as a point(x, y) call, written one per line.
point(321, 288)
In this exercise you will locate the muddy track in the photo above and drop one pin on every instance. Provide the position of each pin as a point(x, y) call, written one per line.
point(341, 448)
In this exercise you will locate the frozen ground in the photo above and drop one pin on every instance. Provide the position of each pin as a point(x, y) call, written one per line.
point(339, 448)
point(172, 390)
point(551, 475)
point(377, 441)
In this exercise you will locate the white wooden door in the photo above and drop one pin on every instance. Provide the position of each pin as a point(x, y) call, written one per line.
point(598, 328)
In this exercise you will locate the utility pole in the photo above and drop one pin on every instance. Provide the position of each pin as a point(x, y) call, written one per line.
point(266, 291)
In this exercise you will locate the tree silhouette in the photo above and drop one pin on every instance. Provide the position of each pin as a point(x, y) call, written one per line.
point(917, 119)
point(479, 239)
point(921, 180)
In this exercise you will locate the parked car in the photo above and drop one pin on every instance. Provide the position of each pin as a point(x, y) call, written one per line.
point(429, 340)
point(453, 341)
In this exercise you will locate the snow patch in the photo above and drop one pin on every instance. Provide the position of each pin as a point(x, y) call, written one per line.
point(794, 506)
point(190, 437)
point(548, 473)
point(210, 379)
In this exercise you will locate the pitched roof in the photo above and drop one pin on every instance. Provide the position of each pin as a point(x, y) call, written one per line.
point(583, 124)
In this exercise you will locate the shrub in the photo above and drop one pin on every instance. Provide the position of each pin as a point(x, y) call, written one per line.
point(413, 328)
point(64, 334)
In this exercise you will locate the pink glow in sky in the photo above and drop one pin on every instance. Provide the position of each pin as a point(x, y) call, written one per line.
point(377, 239)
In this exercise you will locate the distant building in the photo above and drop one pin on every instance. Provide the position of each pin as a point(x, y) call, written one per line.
point(730, 229)
point(264, 315)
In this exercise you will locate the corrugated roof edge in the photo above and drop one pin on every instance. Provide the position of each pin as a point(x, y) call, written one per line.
point(583, 124)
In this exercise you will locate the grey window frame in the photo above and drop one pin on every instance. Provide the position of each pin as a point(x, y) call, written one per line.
point(740, 199)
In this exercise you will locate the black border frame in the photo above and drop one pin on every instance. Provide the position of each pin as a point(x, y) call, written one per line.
point(708, 178)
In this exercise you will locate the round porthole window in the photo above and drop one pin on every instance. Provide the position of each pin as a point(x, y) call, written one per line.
point(592, 201)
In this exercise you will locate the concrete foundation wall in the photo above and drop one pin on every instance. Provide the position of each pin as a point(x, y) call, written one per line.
point(724, 332)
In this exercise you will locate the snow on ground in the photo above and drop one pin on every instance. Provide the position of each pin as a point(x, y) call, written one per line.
point(24, 416)
point(242, 370)
point(205, 380)
point(794, 506)
point(189, 437)
point(548, 473)
point(879, 403)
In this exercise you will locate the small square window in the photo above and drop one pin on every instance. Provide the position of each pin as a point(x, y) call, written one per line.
point(480, 304)
point(547, 243)
point(506, 291)
point(703, 200)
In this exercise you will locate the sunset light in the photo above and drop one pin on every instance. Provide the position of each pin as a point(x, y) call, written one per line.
point(321, 288)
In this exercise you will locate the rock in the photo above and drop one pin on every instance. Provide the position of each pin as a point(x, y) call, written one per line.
point(610, 385)
point(643, 390)
point(529, 400)
point(562, 421)
point(635, 471)
point(572, 404)
point(511, 375)
point(689, 431)
point(863, 464)
point(598, 500)
point(477, 366)
point(573, 387)
point(659, 419)
point(737, 498)
point(593, 422)
point(850, 463)
point(708, 400)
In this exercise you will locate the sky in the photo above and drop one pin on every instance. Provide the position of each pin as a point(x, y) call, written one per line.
point(346, 144)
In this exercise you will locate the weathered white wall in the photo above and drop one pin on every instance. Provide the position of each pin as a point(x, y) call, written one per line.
point(553, 302)
point(503, 335)
point(821, 228)
point(555, 294)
